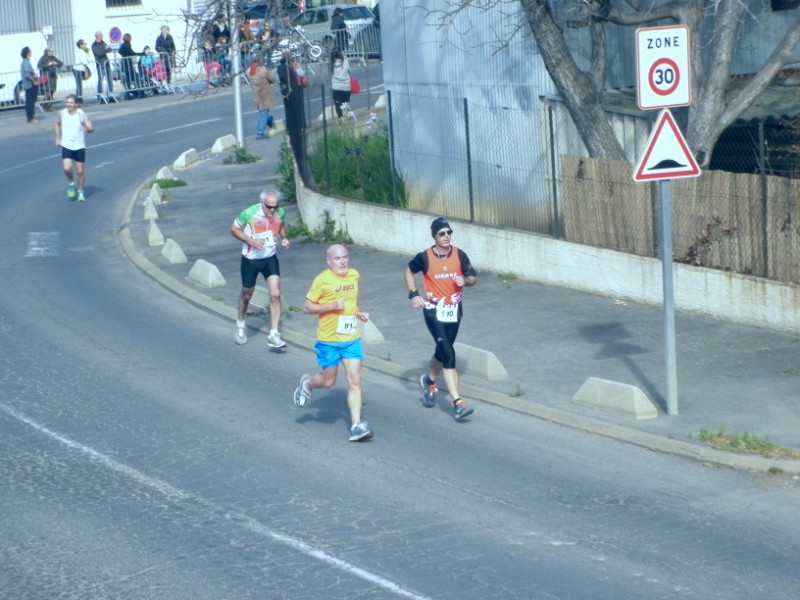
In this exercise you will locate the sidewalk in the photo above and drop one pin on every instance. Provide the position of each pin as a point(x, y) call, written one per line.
point(550, 340)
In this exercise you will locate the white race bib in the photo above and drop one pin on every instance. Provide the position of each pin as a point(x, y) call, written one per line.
point(269, 240)
point(446, 313)
point(346, 325)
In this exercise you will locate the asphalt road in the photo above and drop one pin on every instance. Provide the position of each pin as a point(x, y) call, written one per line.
point(144, 455)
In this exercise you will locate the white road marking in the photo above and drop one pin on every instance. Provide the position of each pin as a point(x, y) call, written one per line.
point(247, 522)
point(187, 125)
point(42, 244)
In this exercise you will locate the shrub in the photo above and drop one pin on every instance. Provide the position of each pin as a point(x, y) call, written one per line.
point(359, 162)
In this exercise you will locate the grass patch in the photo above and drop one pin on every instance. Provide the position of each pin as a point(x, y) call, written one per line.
point(327, 233)
point(517, 393)
point(165, 184)
point(241, 156)
point(508, 276)
point(746, 443)
point(287, 184)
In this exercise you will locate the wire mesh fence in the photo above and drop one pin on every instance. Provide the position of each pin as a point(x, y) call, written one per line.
point(528, 170)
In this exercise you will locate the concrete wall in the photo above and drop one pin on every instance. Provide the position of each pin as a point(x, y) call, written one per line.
point(718, 294)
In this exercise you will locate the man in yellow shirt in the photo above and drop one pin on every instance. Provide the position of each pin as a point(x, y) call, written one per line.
point(334, 297)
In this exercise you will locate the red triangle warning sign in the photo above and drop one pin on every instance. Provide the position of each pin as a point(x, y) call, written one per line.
point(667, 155)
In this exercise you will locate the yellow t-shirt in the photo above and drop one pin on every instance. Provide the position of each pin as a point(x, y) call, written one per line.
point(337, 325)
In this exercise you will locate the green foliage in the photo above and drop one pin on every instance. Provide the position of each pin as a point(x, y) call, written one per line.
point(746, 443)
point(169, 183)
point(327, 233)
point(359, 163)
point(241, 156)
point(286, 172)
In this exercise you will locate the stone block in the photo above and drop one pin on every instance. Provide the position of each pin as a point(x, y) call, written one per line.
point(207, 274)
point(330, 114)
point(150, 211)
point(224, 143)
point(156, 195)
point(370, 334)
point(173, 252)
point(154, 235)
point(381, 101)
point(187, 158)
point(164, 173)
point(617, 398)
point(480, 362)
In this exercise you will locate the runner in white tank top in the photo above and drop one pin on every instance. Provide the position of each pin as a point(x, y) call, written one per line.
point(72, 125)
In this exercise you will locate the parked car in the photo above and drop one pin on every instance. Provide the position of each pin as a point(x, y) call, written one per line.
point(316, 22)
point(256, 12)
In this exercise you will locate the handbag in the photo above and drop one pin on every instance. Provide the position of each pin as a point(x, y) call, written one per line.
point(355, 86)
point(43, 80)
point(87, 74)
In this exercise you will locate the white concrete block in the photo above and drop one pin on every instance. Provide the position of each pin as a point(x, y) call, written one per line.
point(224, 143)
point(370, 334)
point(156, 195)
point(186, 158)
point(154, 235)
point(381, 101)
point(614, 397)
point(173, 252)
point(480, 362)
point(164, 173)
point(150, 211)
point(204, 273)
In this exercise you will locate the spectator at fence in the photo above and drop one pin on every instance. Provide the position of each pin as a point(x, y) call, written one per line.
point(100, 51)
point(376, 10)
point(220, 29)
point(261, 80)
point(165, 47)
point(339, 29)
point(80, 68)
point(246, 42)
point(147, 63)
point(212, 68)
point(29, 83)
point(221, 48)
point(48, 66)
point(129, 71)
point(340, 81)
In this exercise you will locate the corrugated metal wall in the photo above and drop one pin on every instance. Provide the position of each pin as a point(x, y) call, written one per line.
point(20, 16)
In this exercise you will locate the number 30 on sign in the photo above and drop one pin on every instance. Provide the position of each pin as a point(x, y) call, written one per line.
point(662, 64)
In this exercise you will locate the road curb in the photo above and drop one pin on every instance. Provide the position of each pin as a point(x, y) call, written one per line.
point(528, 407)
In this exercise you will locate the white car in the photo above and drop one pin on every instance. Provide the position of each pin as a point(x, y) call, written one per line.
point(316, 22)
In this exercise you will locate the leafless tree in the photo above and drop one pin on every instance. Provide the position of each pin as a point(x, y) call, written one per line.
point(717, 24)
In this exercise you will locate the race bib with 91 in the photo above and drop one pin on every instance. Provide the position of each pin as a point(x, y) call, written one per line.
point(346, 325)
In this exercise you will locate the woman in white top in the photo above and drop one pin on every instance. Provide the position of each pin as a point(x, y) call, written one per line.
point(80, 67)
point(340, 81)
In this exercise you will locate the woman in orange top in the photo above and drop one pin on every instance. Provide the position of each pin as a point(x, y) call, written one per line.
point(446, 271)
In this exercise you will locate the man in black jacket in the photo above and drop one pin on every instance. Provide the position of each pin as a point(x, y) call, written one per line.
point(100, 51)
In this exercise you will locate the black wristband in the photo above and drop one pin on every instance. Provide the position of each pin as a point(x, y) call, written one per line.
point(413, 293)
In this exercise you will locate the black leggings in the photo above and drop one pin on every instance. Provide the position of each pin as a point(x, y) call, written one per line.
point(445, 336)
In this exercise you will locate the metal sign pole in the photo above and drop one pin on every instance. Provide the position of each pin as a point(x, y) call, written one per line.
point(669, 304)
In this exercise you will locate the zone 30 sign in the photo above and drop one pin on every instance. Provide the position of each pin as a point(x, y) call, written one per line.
point(662, 65)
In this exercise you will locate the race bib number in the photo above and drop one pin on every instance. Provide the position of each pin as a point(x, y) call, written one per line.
point(447, 313)
point(346, 326)
point(268, 238)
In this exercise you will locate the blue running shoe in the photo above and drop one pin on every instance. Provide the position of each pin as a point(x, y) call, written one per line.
point(429, 390)
point(360, 431)
point(461, 409)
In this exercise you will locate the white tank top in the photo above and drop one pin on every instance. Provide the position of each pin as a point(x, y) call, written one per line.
point(73, 137)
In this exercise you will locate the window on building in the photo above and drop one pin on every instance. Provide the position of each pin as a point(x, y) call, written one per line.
point(784, 4)
point(122, 3)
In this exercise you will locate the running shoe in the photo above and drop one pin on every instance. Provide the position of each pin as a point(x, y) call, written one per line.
point(360, 431)
point(461, 409)
point(241, 335)
point(81, 197)
point(275, 341)
point(71, 191)
point(301, 394)
point(428, 391)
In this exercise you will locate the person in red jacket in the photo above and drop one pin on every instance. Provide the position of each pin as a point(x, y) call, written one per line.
point(446, 271)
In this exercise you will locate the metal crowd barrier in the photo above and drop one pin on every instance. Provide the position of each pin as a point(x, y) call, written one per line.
point(128, 77)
